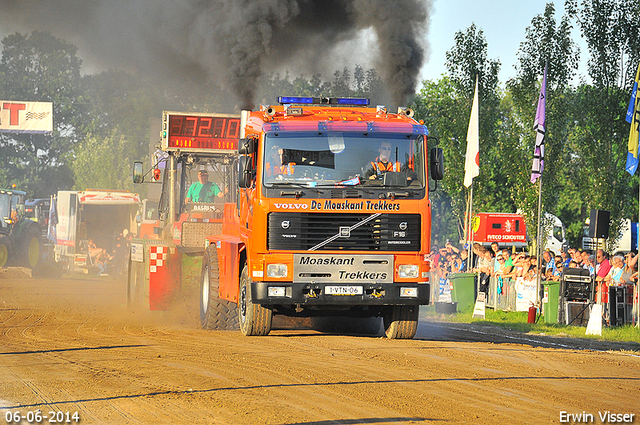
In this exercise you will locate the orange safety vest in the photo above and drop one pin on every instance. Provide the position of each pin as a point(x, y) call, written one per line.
point(381, 167)
point(279, 169)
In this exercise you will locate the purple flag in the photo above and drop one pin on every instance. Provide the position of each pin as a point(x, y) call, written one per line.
point(539, 127)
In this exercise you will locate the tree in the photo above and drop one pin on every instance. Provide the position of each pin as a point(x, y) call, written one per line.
point(547, 44)
point(441, 105)
point(599, 139)
point(104, 163)
point(41, 68)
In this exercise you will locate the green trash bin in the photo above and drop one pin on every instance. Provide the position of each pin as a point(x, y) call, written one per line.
point(550, 301)
point(464, 290)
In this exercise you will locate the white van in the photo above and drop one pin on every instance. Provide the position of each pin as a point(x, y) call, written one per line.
point(555, 233)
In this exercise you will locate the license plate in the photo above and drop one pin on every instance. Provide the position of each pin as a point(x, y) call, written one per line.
point(343, 290)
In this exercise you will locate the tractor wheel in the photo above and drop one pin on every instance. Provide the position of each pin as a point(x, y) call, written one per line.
point(30, 247)
point(5, 250)
point(401, 321)
point(255, 319)
point(214, 313)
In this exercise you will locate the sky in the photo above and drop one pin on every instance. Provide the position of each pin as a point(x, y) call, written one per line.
point(503, 23)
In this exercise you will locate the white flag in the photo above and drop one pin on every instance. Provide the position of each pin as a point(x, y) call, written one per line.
point(472, 162)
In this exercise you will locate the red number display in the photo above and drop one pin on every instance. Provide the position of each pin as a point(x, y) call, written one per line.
point(202, 132)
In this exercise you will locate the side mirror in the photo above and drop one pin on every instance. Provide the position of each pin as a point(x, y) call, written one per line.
point(437, 164)
point(245, 176)
point(247, 146)
point(137, 172)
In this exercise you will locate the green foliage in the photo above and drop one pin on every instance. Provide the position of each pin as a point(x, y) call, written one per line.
point(364, 84)
point(41, 68)
point(104, 163)
point(549, 45)
point(599, 137)
point(585, 146)
point(440, 105)
point(517, 321)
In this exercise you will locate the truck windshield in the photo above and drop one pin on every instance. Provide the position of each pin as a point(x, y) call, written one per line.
point(343, 159)
point(205, 181)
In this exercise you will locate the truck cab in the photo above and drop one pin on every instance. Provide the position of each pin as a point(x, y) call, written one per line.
point(332, 217)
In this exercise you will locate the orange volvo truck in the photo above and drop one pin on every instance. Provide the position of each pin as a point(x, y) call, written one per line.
point(332, 218)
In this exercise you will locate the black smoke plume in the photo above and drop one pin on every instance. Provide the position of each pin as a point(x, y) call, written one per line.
point(232, 42)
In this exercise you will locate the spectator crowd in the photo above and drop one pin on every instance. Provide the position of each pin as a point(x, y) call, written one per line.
point(502, 264)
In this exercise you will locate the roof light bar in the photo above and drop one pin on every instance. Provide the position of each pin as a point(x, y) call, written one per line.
point(356, 101)
point(359, 101)
point(297, 99)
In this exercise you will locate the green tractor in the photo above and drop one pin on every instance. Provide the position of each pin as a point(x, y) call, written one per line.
point(20, 237)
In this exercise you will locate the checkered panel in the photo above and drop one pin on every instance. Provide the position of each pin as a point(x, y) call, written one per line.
point(157, 257)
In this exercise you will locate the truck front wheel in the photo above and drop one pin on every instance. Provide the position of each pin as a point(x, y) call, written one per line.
point(214, 313)
point(255, 319)
point(401, 321)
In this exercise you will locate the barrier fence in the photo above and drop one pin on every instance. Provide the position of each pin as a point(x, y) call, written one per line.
point(519, 294)
point(504, 294)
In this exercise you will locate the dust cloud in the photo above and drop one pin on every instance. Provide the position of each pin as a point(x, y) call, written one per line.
point(233, 43)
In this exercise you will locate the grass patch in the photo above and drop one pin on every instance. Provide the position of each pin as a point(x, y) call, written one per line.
point(517, 321)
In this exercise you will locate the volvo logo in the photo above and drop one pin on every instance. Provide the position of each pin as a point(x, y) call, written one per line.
point(285, 224)
point(403, 225)
point(345, 232)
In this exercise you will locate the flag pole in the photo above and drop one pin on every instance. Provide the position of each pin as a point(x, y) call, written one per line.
point(536, 173)
point(633, 155)
point(470, 231)
point(539, 243)
point(472, 162)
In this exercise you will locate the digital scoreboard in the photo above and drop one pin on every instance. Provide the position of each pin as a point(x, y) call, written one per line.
point(199, 132)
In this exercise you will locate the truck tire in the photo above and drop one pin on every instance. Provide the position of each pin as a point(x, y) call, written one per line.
point(401, 321)
point(255, 319)
point(5, 250)
point(214, 313)
point(30, 252)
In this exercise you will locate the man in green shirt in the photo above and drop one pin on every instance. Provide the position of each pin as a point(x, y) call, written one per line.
point(203, 190)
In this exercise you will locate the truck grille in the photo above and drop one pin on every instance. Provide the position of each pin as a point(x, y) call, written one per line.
point(194, 234)
point(308, 231)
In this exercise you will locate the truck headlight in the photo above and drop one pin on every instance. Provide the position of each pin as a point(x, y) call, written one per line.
point(277, 270)
point(408, 270)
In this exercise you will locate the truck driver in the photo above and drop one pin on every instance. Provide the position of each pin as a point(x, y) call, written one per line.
point(382, 163)
point(203, 190)
point(275, 164)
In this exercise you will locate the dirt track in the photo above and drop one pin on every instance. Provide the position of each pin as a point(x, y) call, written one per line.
point(72, 345)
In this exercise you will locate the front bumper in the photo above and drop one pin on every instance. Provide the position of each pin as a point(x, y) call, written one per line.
point(314, 294)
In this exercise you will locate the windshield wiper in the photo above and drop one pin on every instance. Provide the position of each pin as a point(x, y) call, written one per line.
point(296, 193)
point(291, 184)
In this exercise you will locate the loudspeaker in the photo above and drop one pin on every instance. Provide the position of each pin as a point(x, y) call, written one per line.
point(577, 313)
point(599, 224)
point(617, 307)
point(576, 284)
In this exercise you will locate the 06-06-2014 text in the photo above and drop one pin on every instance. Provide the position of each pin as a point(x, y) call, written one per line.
point(37, 417)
